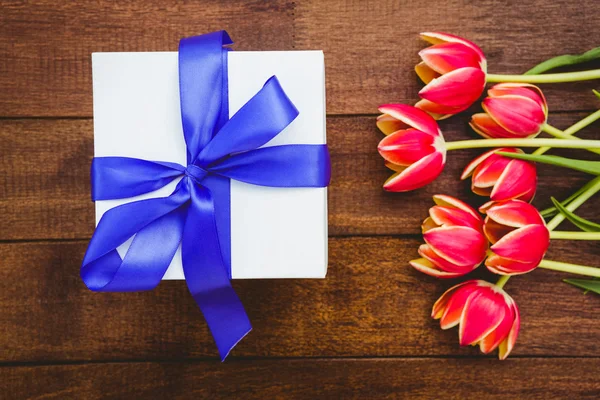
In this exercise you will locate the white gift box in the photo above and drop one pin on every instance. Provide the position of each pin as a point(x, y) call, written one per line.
point(275, 232)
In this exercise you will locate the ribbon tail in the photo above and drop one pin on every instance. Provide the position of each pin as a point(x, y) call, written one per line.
point(207, 276)
point(157, 225)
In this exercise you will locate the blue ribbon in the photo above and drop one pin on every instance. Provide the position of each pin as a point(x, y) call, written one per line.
point(197, 213)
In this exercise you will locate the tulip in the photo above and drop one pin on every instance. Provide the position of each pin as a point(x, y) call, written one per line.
point(502, 178)
point(485, 313)
point(453, 70)
point(518, 235)
point(413, 147)
point(512, 110)
point(455, 242)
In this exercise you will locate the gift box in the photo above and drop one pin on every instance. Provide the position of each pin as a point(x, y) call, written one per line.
point(275, 232)
point(209, 165)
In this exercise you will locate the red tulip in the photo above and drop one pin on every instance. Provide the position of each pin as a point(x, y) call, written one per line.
point(485, 313)
point(518, 235)
point(414, 147)
point(511, 110)
point(455, 243)
point(453, 70)
point(502, 178)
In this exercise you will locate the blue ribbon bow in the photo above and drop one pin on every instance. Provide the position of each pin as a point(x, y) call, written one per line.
point(197, 213)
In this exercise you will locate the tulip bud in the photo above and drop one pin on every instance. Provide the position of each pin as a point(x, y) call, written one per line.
point(414, 147)
point(455, 243)
point(502, 178)
point(453, 70)
point(512, 110)
point(518, 235)
point(485, 313)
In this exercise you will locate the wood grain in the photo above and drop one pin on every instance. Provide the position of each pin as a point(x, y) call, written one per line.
point(46, 46)
point(365, 331)
point(370, 47)
point(537, 378)
point(44, 187)
point(371, 304)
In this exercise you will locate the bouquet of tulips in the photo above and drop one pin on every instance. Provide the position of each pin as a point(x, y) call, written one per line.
point(507, 234)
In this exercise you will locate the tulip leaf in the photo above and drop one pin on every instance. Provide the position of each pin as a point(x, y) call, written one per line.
point(590, 167)
point(576, 220)
point(552, 211)
point(588, 285)
point(565, 60)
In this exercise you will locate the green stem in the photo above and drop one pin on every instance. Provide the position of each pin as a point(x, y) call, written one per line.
point(546, 78)
point(502, 281)
point(557, 133)
point(574, 235)
point(550, 211)
point(570, 268)
point(557, 143)
point(593, 188)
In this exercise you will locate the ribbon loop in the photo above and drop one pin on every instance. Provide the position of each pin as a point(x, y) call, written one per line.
point(262, 118)
point(123, 177)
point(201, 83)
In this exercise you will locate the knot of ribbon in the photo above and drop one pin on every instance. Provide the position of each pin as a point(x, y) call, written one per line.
point(196, 216)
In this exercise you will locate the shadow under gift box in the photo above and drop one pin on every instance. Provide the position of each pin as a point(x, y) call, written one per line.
point(275, 232)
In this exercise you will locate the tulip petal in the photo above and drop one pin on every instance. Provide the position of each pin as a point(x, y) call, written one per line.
point(427, 267)
point(456, 304)
point(485, 126)
point(388, 124)
point(440, 37)
point(518, 179)
point(412, 117)
point(505, 266)
point(449, 201)
point(449, 216)
point(425, 72)
point(442, 264)
point(527, 244)
point(517, 114)
point(485, 192)
point(440, 305)
point(458, 88)
point(459, 245)
point(417, 175)
point(468, 171)
point(507, 345)
point(488, 173)
point(529, 195)
point(445, 57)
point(437, 111)
point(520, 89)
point(394, 167)
point(483, 312)
point(428, 224)
point(494, 231)
point(406, 147)
point(514, 213)
point(498, 335)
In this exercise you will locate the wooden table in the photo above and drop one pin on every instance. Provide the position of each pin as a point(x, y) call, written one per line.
point(365, 331)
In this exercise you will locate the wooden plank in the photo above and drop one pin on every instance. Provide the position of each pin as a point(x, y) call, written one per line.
point(370, 48)
point(537, 378)
point(45, 46)
point(44, 187)
point(371, 304)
